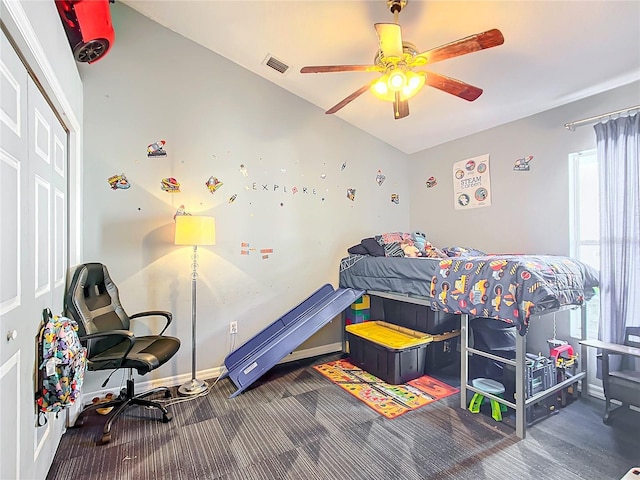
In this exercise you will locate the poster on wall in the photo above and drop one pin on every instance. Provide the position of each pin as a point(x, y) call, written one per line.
point(471, 183)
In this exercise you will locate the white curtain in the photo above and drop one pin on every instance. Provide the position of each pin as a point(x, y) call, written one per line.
point(618, 149)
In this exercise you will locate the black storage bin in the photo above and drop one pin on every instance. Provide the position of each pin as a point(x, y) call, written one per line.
point(394, 365)
point(442, 353)
point(419, 317)
point(499, 338)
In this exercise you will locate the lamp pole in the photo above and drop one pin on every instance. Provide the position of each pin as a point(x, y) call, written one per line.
point(194, 386)
point(194, 230)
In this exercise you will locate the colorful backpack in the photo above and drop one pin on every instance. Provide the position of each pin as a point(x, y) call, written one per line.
point(62, 363)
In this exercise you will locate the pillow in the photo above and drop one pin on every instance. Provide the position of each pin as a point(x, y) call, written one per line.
point(373, 247)
point(462, 252)
point(368, 246)
point(357, 250)
point(396, 237)
point(393, 249)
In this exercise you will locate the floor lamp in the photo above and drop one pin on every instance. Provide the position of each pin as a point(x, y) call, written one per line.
point(194, 230)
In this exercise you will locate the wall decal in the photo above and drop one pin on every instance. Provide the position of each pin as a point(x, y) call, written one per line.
point(472, 183)
point(243, 170)
point(246, 249)
point(233, 197)
point(170, 185)
point(266, 187)
point(118, 182)
point(344, 165)
point(431, 182)
point(351, 194)
point(323, 176)
point(180, 211)
point(522, 164)
point(156, 149)
point(380, 178)
point(395, 198)
point(213, 184)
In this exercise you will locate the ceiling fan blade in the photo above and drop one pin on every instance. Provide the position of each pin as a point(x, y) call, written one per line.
point(348, 100)
point(390, 36)
point(338, 68)
point(470, 44)
point(453, 86)
point(400, 107)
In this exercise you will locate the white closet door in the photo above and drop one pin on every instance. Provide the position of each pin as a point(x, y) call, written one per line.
point(33, 259)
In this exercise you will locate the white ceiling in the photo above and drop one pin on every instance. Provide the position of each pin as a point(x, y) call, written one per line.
point(554, 52)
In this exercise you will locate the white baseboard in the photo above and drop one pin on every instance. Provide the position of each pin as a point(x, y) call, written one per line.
point(176, 380)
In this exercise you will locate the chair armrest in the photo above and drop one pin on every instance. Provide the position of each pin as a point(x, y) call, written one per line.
point(124, 334)
point(167, 315)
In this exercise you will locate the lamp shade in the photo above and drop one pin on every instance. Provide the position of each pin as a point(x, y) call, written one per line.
point(195, 230)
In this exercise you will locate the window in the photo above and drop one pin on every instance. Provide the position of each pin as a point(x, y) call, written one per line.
point(585, 227)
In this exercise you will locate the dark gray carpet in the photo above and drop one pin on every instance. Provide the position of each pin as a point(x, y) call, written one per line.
point(296, 424)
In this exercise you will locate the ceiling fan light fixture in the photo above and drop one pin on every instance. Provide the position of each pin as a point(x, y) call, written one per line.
point(380, 88)
point(397, 80)
point(414, 83)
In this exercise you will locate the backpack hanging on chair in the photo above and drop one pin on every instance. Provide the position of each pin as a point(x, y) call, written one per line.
point(62, 362)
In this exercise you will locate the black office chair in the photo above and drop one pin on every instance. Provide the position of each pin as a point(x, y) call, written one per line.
point(103, 327)
point(623, 384)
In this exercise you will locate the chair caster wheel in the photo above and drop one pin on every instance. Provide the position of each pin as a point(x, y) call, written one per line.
point(166, 417)
point(167, 394)
point(106, 438)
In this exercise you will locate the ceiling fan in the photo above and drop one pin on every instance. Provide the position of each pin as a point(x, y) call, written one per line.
point(396, 60)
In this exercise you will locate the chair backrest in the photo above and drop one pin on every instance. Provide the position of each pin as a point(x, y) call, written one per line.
point(92, 300)
point(632, 339)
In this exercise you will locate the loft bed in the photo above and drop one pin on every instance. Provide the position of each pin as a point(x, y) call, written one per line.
point(510, 288)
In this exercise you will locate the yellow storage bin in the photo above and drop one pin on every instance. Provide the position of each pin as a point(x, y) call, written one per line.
point(389, 335)
point(393, 353)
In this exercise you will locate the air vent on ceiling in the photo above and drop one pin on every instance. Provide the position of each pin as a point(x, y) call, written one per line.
point(277, 65)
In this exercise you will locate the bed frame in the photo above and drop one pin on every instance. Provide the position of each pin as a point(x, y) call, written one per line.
point(521, 402)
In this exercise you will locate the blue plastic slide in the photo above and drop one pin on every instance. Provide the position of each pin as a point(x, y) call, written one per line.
point(251, 360)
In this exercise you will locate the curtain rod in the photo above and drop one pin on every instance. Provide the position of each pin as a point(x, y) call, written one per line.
point(572, 125)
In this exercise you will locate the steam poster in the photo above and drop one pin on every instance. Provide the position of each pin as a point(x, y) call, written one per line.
point(472, 183)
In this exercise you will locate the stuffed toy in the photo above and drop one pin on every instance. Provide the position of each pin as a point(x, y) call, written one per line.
point(410, 250)
point(419, 240)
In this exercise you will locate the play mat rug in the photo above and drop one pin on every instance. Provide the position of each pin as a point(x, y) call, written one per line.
point(388, 400)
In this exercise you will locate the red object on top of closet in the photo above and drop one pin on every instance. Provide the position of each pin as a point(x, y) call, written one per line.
point(88, 26)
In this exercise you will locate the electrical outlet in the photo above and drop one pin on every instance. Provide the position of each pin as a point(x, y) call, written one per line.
point(233, 328)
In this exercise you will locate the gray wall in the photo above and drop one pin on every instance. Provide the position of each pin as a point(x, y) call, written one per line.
point(215, 116)
point(530, 210)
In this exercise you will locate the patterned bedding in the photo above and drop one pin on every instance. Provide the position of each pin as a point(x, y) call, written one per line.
point(510, 288)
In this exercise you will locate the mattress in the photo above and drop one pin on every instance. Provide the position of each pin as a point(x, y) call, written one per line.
point(510, 288)
point(408, 276)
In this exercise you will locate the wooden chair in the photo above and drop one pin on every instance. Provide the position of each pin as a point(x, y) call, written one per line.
point(624, 384)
